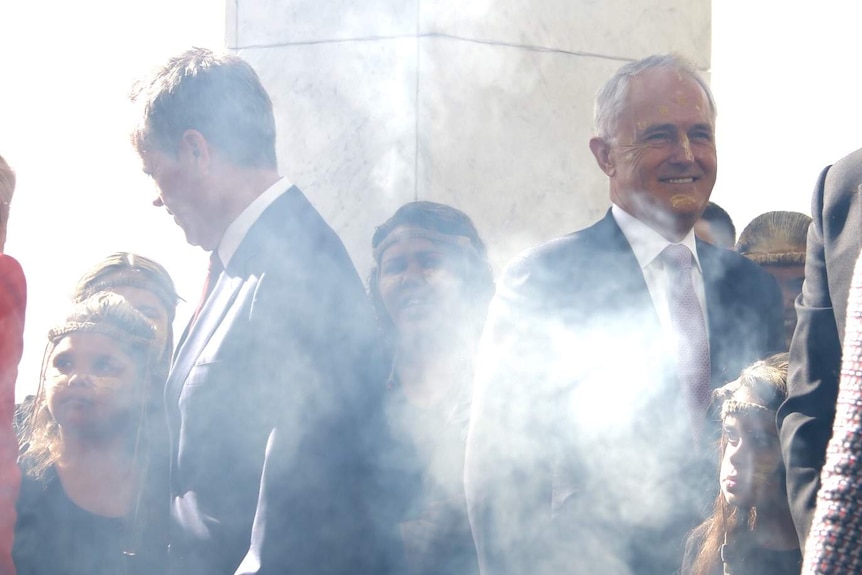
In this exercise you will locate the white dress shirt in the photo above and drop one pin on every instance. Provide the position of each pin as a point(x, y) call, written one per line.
point(647, 245)
point(237, 230)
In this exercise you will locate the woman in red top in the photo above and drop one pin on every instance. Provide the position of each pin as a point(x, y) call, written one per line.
point(13, 297)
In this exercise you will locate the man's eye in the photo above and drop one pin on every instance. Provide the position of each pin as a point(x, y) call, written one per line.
point(657, 137)
point(701, 136)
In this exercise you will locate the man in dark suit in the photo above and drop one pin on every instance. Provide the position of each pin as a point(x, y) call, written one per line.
point(587, 451)
point(805, 418)
point(273, 396)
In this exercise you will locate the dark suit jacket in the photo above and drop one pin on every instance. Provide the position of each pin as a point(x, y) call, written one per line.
point(274, 407)
point(580, 457)
point(805, 418)
point(832, 545)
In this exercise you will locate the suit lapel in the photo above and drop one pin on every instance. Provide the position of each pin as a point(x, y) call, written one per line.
point(622, 269)
point(195, 338)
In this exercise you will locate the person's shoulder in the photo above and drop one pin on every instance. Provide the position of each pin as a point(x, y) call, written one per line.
point(12, 276)
point(846, 173)
point(736, 272)
point(34, 488)
point(851, 160)
point(729, 261)
point(560, 252)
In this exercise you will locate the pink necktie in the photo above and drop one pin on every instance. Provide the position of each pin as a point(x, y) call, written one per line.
point(692, 345)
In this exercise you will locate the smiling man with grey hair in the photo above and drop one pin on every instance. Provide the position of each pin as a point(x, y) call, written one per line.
point(589, 448)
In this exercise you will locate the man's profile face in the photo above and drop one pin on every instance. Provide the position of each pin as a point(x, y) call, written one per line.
point(181, 191)
point(662, 158)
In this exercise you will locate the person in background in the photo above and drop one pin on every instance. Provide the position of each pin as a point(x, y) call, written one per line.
point(805, 418)
point(430, 287)
point(716, 227)
point(84, 447)
point(148, 287)
point(13, 302)
point(776, 241)
point(750, 531)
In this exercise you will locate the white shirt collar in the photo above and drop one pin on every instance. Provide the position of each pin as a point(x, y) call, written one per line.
point(238, 229)
point(646, 243)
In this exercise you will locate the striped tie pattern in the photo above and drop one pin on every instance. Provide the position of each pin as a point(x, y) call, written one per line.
point(689, 325)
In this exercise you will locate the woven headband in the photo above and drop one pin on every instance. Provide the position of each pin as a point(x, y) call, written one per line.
point(103, 328)
point(734, 407)
point(132, 279)
point(782, 258)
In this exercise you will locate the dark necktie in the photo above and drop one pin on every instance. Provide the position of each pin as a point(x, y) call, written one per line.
point(687, 317)
point(213, 271)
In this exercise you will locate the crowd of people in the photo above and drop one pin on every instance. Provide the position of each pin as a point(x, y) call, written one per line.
point(621, 400)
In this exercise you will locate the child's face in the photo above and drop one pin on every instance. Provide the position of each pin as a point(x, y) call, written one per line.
point(751, 459)
point(91, 383)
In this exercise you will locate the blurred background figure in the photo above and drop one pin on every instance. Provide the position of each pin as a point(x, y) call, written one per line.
point(146, 285)
point(776, 241)
point(84, 450)
point(716, 227)
point(832, 547)
point(750, 530)
point(13, 300)
point(430, 287)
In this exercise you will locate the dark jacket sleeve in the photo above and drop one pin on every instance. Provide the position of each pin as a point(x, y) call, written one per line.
point(805, 418)
point(833, 540)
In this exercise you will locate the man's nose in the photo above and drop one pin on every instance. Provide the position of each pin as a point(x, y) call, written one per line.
point(682, 150)
point(158, 202)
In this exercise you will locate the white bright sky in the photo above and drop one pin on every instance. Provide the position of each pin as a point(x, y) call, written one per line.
point(786, 82)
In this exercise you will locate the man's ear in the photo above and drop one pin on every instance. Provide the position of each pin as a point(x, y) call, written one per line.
point(602, 152)
point(195, 149)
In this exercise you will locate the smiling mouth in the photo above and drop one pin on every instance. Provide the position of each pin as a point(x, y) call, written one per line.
point(690, 180)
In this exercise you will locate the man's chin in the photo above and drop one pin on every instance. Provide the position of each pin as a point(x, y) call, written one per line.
point(687, 204)
point(197, 240)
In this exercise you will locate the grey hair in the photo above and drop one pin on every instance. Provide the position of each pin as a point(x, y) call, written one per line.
point(219, 95)
point(611, 98)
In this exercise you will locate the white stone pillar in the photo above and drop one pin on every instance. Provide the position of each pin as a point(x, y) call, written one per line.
point(485, 105)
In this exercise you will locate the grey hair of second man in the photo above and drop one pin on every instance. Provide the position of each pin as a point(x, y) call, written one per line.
point(611, 98)
point(219, 95)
